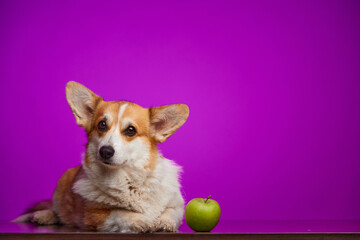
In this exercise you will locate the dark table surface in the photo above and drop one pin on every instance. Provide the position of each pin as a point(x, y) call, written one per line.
point(222, 227)
point(225, 229)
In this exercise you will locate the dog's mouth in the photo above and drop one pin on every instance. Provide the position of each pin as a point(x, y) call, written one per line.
point(110, 163)
point(107, 162)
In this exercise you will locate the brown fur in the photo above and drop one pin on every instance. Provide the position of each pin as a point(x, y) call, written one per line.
point(72, 209)
point(153, 156)
point(102, 108)
point(45, 217)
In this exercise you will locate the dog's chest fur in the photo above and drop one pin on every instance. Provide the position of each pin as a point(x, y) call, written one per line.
point(131, 189)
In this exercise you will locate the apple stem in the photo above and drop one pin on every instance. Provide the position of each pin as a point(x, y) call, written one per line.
point(208, 198)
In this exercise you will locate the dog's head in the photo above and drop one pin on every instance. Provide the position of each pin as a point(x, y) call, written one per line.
point(122, 133)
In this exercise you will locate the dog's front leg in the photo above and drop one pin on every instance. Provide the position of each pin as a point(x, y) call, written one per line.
point(121, 220)
point(171, 217)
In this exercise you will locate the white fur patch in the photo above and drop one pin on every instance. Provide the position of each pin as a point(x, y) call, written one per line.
point(126, 221)
point(152, 194)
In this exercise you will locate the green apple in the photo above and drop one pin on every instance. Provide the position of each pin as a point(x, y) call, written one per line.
point(202, 215)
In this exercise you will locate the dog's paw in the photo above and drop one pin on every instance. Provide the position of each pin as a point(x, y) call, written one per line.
point(164, 225)
point(141, 225)
point(135, 224)
point(44, 217)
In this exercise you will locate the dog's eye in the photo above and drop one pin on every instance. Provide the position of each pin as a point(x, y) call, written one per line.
point(102, 125)
point(130, 131)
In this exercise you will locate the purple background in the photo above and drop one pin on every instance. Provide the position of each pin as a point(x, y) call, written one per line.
point(272, 86)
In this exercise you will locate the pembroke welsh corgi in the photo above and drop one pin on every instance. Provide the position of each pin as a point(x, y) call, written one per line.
point(124, 184)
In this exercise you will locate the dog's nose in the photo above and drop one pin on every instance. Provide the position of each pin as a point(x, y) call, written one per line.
point(107, 152)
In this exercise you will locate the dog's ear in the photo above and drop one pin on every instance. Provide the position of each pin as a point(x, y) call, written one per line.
point(82, 102)
point(165, 120)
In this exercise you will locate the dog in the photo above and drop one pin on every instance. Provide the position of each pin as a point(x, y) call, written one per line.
point(124, 183)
